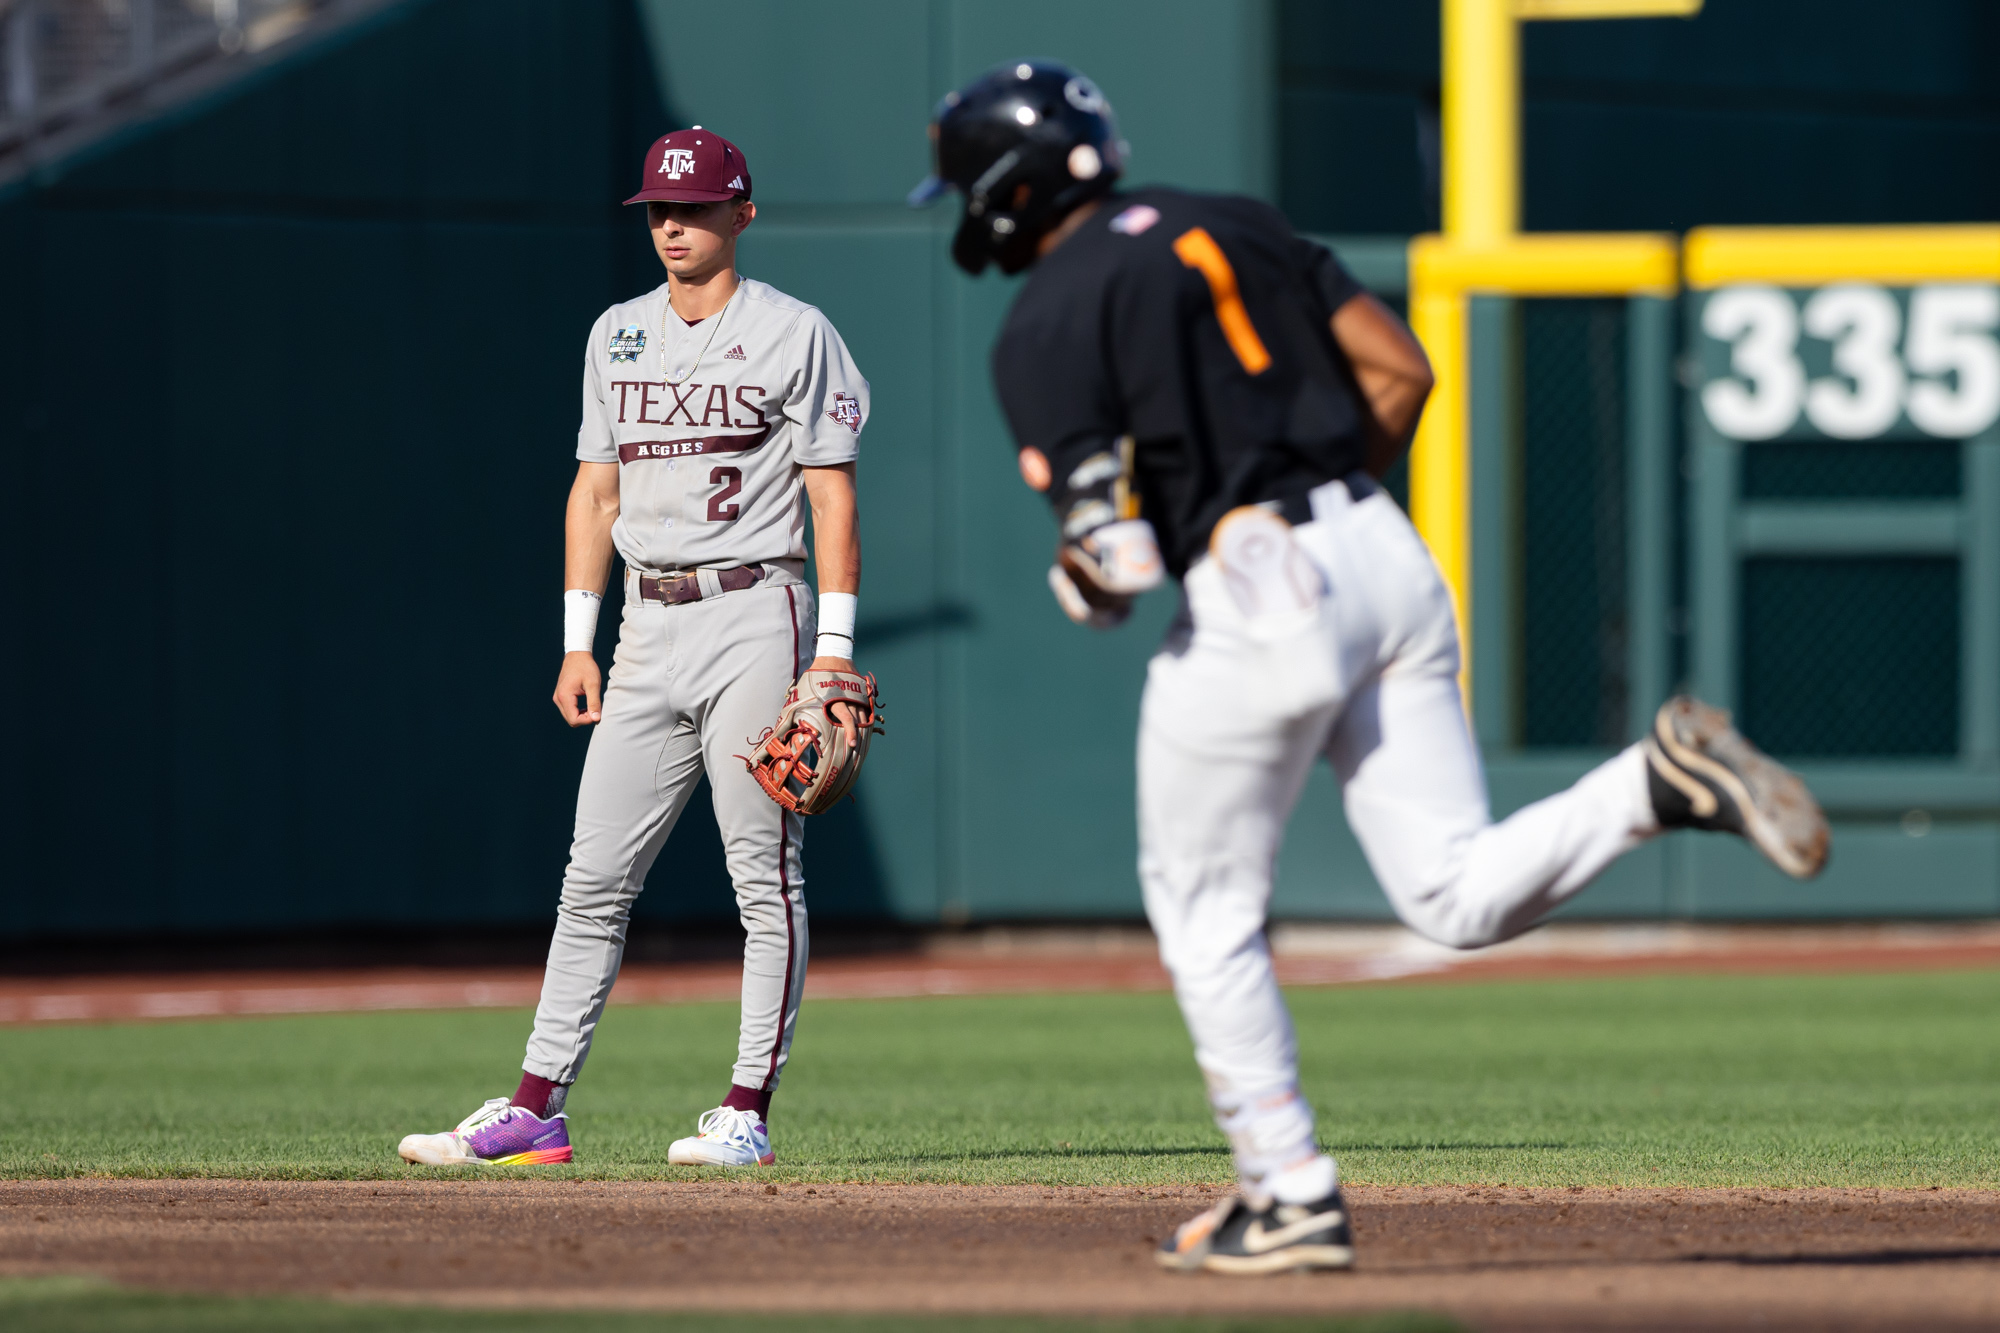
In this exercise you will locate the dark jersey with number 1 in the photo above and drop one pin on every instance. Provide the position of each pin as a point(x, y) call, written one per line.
point(1200, 326)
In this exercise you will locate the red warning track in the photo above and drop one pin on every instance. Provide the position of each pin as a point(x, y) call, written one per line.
point(1002, 962)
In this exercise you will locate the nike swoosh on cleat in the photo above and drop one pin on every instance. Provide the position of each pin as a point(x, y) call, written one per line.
point(1702, 766)
point(1256, 1240)
point(1701, 801)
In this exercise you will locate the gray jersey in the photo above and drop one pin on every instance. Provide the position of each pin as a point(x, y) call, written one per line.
point(710, 424)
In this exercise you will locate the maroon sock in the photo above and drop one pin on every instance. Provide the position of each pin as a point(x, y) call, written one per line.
point(535, 1093)
point(749, 1099)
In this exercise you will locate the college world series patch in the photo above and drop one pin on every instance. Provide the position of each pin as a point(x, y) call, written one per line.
point(627, 343)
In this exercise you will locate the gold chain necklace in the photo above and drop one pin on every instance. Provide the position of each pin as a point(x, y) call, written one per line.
point(671, 313)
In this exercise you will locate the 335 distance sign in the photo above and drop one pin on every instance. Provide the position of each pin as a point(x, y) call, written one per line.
point(1850, 361)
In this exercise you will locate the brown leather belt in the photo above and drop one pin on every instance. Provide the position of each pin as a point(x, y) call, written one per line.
point(685, 586)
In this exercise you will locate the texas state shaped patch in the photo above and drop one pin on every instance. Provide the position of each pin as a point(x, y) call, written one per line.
point(846, 412)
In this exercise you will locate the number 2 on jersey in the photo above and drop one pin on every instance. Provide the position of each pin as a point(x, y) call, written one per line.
point(731, 481)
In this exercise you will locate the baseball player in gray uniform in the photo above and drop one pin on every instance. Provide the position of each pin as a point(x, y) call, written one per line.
point(714, 409)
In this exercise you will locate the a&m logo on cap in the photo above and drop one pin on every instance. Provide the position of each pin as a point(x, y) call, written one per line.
point(675, 161)
point(627, 343)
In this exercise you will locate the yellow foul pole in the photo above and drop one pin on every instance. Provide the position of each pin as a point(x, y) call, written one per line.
point(1482, 122)
point(1482, 249)
point(1482, 209)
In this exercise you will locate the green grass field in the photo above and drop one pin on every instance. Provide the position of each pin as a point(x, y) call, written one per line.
point(1770, 1081)
point(64, 1305)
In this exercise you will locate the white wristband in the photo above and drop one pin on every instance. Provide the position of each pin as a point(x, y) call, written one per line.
point(836, 625)
point(580, 607)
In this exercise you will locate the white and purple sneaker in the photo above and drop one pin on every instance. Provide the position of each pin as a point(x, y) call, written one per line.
point(497, 1134)
point(725, 1137)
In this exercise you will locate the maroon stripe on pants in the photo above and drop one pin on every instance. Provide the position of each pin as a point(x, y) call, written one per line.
point(784, 876)
point(792, 605)
point(785, 999)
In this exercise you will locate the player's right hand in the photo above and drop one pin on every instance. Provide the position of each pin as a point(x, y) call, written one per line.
point(580, 690)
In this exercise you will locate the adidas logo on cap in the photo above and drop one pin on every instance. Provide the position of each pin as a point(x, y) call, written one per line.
point(735, 184)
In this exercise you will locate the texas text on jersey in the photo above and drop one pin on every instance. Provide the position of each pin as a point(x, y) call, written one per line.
point(1198, 325)
point(712, 421)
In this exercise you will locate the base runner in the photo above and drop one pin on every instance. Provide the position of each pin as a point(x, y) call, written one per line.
point(714, 407)
point(1203, 394)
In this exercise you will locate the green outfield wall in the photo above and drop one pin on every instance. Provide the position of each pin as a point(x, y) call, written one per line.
point(287, 403)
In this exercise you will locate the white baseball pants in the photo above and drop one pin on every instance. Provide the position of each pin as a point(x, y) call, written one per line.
point(691, 686)
point(1235, 711)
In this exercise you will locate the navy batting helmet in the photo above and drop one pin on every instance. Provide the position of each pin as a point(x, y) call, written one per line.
point(1025, 143)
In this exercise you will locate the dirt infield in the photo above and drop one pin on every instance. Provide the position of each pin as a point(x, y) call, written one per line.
point(1016, 961)
point(1499, 1258)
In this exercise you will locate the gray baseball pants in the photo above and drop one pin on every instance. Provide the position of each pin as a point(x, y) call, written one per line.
point(690, 687)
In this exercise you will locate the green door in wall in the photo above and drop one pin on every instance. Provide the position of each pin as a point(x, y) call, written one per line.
point(1845, 575)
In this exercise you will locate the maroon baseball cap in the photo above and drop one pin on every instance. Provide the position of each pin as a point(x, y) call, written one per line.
point(694, 166)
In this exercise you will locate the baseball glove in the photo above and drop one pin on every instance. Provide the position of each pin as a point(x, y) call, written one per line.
point(806, 763)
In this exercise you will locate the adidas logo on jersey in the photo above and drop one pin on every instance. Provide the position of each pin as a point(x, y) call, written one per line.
point(735, 354)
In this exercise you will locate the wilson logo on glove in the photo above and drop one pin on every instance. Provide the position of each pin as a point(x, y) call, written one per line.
point(808, 761)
